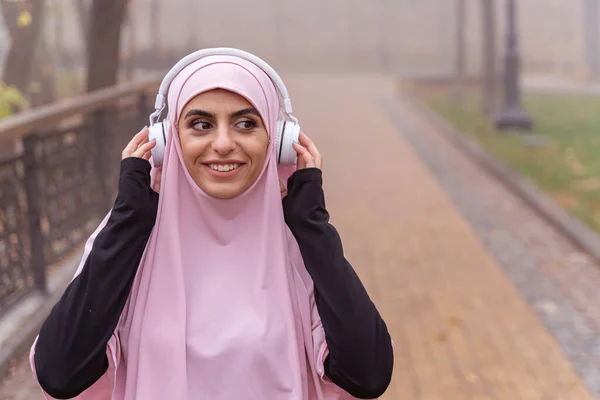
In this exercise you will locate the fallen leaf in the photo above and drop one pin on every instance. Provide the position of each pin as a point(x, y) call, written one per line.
point(471, 377)
point(440, 337)
point(455, 322)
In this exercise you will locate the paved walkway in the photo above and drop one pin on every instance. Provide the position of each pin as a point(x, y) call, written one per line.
point(463, 330)
point(464, 324)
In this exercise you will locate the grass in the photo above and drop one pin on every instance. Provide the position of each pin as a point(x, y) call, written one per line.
point(566, 167)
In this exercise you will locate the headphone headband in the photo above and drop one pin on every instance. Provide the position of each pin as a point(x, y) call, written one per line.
point(161, 97)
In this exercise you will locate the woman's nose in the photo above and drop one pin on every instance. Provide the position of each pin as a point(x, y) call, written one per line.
point(223, 143)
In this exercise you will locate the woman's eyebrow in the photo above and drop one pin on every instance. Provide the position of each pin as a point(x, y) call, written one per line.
point(245, 111)
point(199, 113)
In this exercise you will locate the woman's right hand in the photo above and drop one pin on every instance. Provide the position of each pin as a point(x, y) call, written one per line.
point(140, 146)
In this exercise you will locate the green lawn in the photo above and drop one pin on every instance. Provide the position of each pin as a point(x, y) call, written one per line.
point(567, 166)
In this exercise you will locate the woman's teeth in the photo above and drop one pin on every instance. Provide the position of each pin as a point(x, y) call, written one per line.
point(223, 167)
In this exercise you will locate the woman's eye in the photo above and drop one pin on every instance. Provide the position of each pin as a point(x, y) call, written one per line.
point(246, 124)
point(201, 125)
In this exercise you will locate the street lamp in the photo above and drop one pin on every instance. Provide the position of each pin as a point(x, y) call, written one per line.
point(512, 116)
point(591, 10)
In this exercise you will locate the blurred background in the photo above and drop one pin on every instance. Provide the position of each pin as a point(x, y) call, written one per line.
point(486, 269)
point(408, 38)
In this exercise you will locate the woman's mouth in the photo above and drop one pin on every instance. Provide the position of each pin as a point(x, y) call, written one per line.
point(223, 167)
point(223, 170)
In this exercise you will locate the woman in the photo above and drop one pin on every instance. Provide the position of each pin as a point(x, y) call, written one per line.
point(219, 289)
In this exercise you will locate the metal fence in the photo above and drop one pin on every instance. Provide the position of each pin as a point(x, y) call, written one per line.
point(54, 190)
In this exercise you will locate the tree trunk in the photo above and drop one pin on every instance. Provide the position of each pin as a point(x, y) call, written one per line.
point(489, 87)
point(24, 34)
point(129, 33)
point(154, 27)
point(104, 42)
point(83, 11)
point(44, 91)
point(459, 83)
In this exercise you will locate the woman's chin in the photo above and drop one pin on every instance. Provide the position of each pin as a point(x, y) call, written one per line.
point(223, 184)
point(221, 189)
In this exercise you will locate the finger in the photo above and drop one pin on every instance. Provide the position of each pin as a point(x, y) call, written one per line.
point(301, 162)
point(133, 144)
point(144, 148)
point(305, 155)
point(305, 140)
point(135, 141)
point(311, 147)
point(142, 134)
point(309, 158)
point(147, 155)
point(301, 150)
point(140, 144)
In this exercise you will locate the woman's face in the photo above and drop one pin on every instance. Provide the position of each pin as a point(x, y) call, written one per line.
point(224, 142)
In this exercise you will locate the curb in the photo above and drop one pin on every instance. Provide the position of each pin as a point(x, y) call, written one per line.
point(14, 350)
point(579, 234)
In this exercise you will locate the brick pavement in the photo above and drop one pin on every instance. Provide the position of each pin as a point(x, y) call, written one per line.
point(463, 329)
point(551, 273)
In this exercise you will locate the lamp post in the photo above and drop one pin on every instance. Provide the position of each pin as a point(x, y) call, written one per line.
point(512, 116)
point(592, 7)
point(459, 78)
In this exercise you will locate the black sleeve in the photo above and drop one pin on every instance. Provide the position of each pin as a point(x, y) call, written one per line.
point(70, 353)
point(360, 358)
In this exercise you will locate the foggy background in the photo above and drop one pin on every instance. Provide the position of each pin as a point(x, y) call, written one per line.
point(403, 37)
point(476, 227)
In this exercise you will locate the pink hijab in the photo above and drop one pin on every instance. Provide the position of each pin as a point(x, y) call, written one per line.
point(222, 306)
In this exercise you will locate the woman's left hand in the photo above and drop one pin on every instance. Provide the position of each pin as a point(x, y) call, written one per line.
point(308, 154)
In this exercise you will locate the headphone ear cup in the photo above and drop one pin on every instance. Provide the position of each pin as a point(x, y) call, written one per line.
point(290, 132)
point(159, 132)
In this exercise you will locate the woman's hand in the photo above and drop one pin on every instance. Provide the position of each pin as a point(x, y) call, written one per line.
point(140, 146)
point(308, 154)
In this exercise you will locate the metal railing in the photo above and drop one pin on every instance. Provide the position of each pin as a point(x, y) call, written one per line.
point(59, 183)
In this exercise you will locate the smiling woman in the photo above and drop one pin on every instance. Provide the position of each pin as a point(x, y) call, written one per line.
point(224, 142)
point(217, 274)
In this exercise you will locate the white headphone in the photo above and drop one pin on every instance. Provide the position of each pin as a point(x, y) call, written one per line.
point(286, 132)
